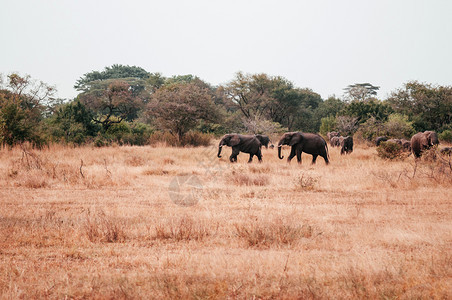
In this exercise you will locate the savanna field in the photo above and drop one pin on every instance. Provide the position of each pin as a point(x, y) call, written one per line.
point(162, 222)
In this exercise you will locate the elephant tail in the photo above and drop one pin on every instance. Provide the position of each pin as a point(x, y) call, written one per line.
point(327, 152)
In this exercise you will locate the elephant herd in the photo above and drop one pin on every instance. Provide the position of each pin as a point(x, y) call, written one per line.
point(316, 145)
point(309, 143)
point(345, 142)
point(419, 142)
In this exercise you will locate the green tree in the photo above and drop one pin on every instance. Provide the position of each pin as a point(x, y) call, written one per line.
point(71, 123)
point(361, 92)
point(180, 107)
point(23, 102)
point(272, 98)
point(111, 101)
point(428, 107)
point(114, 72)
point(365, 110)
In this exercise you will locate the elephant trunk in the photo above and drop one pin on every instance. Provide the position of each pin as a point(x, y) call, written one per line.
point(219, 150)
point(279, 151)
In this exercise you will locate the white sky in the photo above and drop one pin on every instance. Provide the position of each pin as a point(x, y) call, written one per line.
point(324, 45)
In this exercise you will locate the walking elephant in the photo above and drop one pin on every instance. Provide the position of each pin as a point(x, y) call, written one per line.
point(241, 143)
point(309, 143)
point(265, 140)
point(380, 139)
point(422, 141)
point(334, 141)
point(332, 134)
point(347, 145)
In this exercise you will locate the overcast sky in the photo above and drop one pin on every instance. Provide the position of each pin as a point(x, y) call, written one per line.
point(323, 45)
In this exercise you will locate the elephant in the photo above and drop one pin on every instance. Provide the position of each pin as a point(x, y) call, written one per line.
point(334, 141)
point(406, 145)
point(241, 143)
point(380, 139)
point(309, 143)
point(265, 140)
point(446, 151)
point(422, 141)
point(347, 145)
point(332, 134)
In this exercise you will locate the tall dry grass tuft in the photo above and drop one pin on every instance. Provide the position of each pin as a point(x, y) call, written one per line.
point(239, 177)
point(184, 229)
point(276, 233)
point(99, 227)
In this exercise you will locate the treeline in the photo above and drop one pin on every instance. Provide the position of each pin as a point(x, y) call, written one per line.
point(129, 105)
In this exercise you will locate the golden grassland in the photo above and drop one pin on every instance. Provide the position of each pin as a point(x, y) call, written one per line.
point(112, 223)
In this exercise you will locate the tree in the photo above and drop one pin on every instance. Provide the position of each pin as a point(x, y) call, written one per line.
point(111, 101)
point(361, 91)
point(179, 107)
point(274, 99)
point(428, 107)
point(113, 72)
point(71, 122)
point(23, 102)
point(362, 111)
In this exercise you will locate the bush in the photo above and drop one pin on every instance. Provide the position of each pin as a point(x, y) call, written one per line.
point(196, 139)
point(328, 124)
point(398, 126)
point(192, 138)
point(389, 150)
point(446, 136)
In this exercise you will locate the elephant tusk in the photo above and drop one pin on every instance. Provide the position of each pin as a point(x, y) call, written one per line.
point(279, 146)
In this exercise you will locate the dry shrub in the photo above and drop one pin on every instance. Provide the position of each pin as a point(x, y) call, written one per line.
point(135, 161)
point(390, 150)
point(158, 171)
point(196, 139)
point(306, 181)
point(191, 138)
point(183, 229)
point(101, 228)
point(168, 161)
point(260, 169)
point(263, 234)
point(182, 286)
point(241, 178)
point(162, 139)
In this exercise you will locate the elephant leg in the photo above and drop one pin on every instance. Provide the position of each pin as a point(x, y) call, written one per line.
point(251, 158)
point(292, 154)
point(325, 157)
point(314, 158)
point(299, 156)
point(233, 157)
point(259, 155)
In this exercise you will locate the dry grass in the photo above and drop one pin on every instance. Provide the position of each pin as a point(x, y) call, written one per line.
point(100, 223)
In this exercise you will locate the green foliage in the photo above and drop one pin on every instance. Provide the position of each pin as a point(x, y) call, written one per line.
point(180, 107)
point(371, 129)
point(398, 126)
point(274, 99)
point(446, 136)
point(365, 110)
point(327, 124)
point(113, 72)
point(389, 150)
point(14, 125)
point(71, 123)
point(428, 107)
point(361, 91)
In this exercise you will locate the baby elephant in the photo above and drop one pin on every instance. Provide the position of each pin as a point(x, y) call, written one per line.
point(347, 145)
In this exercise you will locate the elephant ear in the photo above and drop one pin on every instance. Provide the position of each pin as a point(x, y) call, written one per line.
point(234, 141)
point(296, 138)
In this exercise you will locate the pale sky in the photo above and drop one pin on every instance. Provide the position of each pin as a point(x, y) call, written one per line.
point(324, 45)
